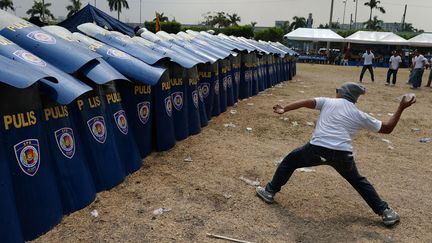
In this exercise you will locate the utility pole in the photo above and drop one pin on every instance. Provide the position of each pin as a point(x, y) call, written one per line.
point(95, 3)
point(140, 11)
point(351, 21)
point(355, 16)
point(343, 20)
point(330, 24)
point(403, 18)
point(43, 11)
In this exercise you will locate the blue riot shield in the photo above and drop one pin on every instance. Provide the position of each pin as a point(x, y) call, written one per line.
point(10, 230)
point(179, 101)
point(206, 87)
point(73, 175)
point(124, 140)
point(216, 108)
point(193, 101)
point(163, 112)
point(26, 150)
point(245, 89)
point(137, 101)
point(98, 140)
point(235, 75)
point(228, 81)
point(223, 84)
point(255, 81)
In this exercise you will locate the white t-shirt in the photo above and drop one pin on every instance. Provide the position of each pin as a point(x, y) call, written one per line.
point(368, 58)
point(394, 62)
point(338, 122)
point(420, 61)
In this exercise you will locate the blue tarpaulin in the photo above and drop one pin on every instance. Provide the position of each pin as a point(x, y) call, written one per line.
point(90, 14)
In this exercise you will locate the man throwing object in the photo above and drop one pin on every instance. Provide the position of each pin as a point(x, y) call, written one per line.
point(331, 144)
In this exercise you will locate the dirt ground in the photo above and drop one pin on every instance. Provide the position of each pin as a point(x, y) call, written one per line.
point(207, 196)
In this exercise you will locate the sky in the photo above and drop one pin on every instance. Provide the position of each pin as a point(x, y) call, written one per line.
point(264, 12)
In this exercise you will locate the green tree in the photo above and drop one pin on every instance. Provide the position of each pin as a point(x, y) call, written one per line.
point(117, 5)
point(374, 4)
point(74, 7)
point(374, 24)
point(253, 23)
point(38, 8)
point(7, 4)
point(162, 17)
point(233, 19)
point(270, 34)
point(298, 22)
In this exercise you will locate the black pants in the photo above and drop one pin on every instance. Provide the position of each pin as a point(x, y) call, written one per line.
point(343, 162)
point(368, 67)
point(391, 72)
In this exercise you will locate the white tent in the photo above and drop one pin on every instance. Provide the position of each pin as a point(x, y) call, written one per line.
point(372, 37)
point(424, 39)
point(308, 34)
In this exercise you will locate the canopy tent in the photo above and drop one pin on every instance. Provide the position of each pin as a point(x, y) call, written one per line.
point(308, 34)
point(379, 38)
point(424, 40)
point(90, 14)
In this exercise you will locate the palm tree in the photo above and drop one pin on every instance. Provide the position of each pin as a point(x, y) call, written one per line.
point(7, 4)
point(374, 24)
point(220, 20)
point(298, 22)
point(38, 8)
point(74, 7)
point(117, 6)
point(234, 19)
point(162, 17)
point(372, 4)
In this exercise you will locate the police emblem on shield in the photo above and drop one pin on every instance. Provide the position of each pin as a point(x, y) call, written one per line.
point(177, 98)
point(168, 105)
point(42, 37)
point(121, 121)
point(143, 111)
point(224, 83)
point(97, 128)
point(117, 53)
point(195, 98)
point(65, 141)
point(237, 77)
point(205, 89)
point(229, 81)
point(29, 58)
point(27, 154)
point(216, 88)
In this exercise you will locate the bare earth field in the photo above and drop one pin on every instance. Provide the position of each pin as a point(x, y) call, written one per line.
point(207, 196)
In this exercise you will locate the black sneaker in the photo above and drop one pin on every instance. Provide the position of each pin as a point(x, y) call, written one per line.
point(264, 194)
point(390, 217)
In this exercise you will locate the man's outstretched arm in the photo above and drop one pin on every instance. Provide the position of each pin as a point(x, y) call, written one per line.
point(388, 126)
point(307, 103)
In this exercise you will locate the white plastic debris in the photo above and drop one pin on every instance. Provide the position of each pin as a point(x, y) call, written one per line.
point(425, 140)
point(390, 114)
point(310, 124)
point(249, 129)
point(281, 118)
point(188, 159)
point(386, 141)
point(285, 119)
point(294, 123)
point(94, 213)
point(160, 211)
point(227, 196)
point(379, 114)
point(305, 170)
point(229, 125)
point(370, 113)
point(301, 91)
point(415, 129)
point(281, 100)
point(233, 112)
point(249, 181)
point(390, 147)
point(251, 104)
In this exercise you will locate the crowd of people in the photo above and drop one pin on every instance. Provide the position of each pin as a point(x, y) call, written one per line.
point(418, 65)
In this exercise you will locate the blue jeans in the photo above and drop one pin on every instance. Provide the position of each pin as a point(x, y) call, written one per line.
point(417, 77)
point(342, 161)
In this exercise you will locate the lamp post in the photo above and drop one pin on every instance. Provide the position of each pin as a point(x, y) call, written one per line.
point(355, 15)
point(43, 11)
point(140, 11)
point(330, 24)
point(343, 20)
point(95, 3)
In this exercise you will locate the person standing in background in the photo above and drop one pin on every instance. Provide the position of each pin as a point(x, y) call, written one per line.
point(368, 57)
point(394, 63)
point(420, 62)
point(430, 74)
